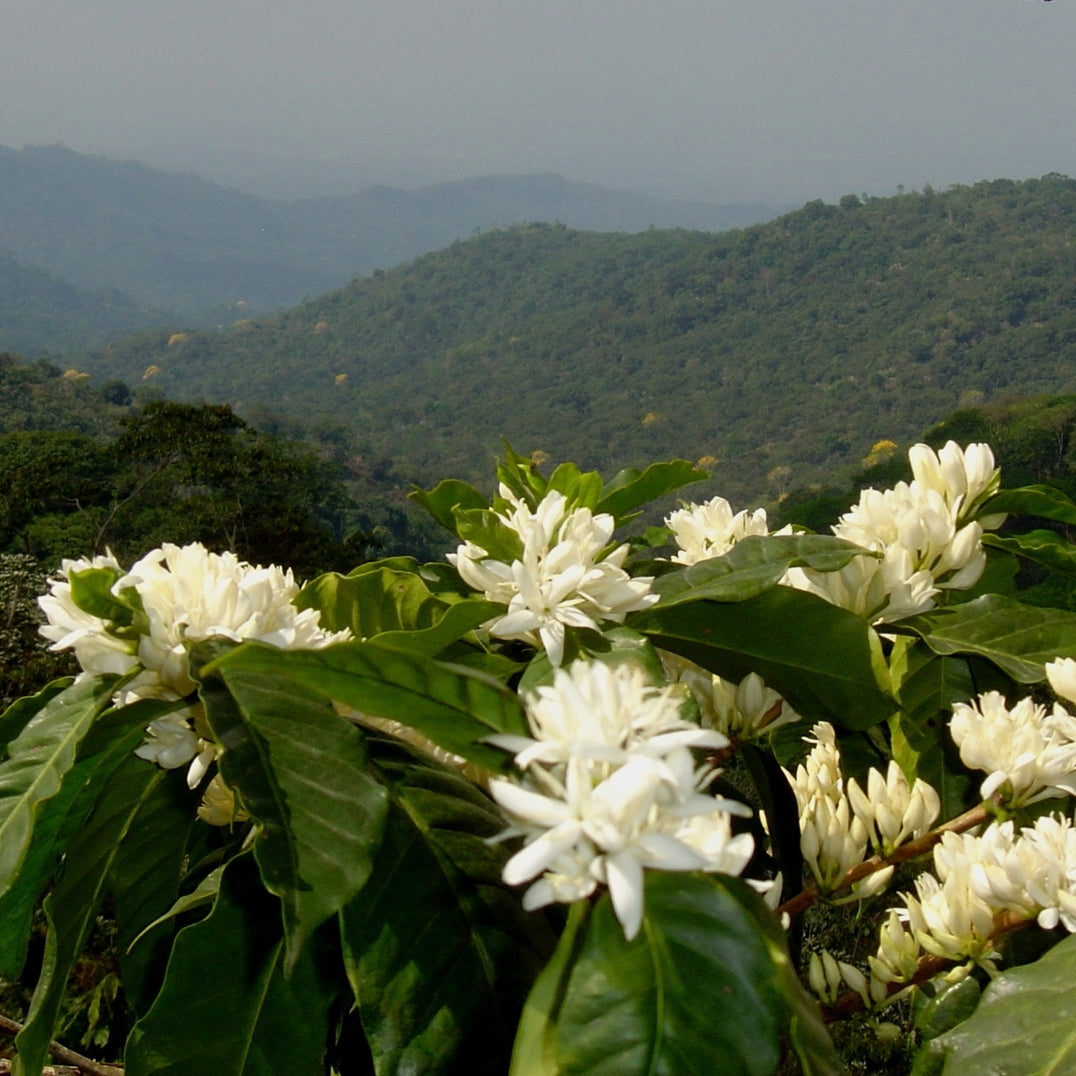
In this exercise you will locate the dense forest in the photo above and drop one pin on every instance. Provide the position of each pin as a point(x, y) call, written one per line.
point(775, 354)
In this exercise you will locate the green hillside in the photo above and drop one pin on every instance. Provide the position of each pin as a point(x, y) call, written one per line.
point(781, 351)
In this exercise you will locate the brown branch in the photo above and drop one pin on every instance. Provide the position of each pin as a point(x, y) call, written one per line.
point(64, 1055)
point(973, 817)
point(926, 969)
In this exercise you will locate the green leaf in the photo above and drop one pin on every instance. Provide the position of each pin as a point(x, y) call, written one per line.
point(581, 490)
point(753, 565)
point(942, 1011)
point(72, 907)
point(706, 987)
point(521, 475)
point(1043, 501)
point(91, 591)
point(1018, 638)
point(145, 880)
point(1025, 1024)
point(488, 531)
point(452, 706)
point(458, 619)
point(631, 489)
point(826, 662)
point(929, 686)
point(1041, 546)
point(227, 1008)
point(60, 819)
point(438, 950)
point(302, 773)
point(616, 646)
point(20, 713)
point(395, 606)
point(445, 497)
point(38, 761)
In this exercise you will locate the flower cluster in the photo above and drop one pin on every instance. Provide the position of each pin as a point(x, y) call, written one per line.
point(839, 825)
point(610, 787)
point(1028, 753)
point(743, 711)
point(177, 595)
point(981, 884)
point(922, 533)
point(702, 531)
point(562, 576)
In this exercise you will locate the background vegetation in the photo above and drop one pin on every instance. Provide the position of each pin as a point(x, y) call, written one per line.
point(776, 354)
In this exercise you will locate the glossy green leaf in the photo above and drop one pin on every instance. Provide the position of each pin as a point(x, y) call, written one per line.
point(445, 497)
point(825, 661)
point(486, 529)
point(438, 950)
point(38, 760)
point(396, 606)
point(1025, 1024)
point(1043, 547)
point(227, 1008)
point(458, 619)
point(631, 489)
point(20, 713)
point(91, 591)
point(1018, 638)
point(1043, 501)
point(617, 646)
point(581, 489)
point(452, 706)
point(929, 686)
point(60, 819)
point(941, 1011)
point(302, 773)
point(145, 880)
point(72, 907)
point(706, 987)
point(753, 565)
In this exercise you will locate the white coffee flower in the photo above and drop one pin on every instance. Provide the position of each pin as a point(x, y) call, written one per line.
point(186, 594)
point(98, 652)
point(964, 477)
point(607, 794)
point(922, 533)
point(563, 577)
point(189, 594)
point(948, 918)
point(702, 531)
point(1028, 754)
point(892, 811)
point(833, 839)
point(1061, 672)
point(742, 711)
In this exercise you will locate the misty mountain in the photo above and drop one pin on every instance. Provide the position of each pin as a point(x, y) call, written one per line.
point(210, 253)
point(40, 313)
point(775, 354)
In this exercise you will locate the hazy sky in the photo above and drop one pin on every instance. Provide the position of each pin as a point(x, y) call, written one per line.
point(720, 99)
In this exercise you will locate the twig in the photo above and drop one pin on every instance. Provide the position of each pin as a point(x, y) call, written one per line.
point(64, 1055)
point(806, 897)
point(926, 969)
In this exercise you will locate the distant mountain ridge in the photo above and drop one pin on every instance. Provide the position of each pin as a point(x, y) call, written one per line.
point(176, 242)
point(773, 354)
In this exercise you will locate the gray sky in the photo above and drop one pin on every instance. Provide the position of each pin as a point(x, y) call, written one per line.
point(718, 99)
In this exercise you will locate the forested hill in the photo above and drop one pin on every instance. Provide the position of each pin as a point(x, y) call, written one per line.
point(780, 351)
point(180, 243)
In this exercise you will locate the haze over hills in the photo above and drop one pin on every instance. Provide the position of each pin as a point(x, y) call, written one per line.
point(775, 353)
point(176, 242)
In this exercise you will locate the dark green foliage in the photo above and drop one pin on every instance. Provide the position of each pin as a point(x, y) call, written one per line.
point(779, 353)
